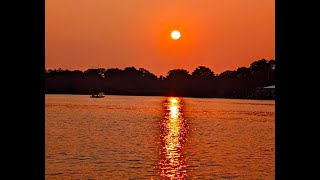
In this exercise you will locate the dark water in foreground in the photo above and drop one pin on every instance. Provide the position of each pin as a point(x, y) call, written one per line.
point(127, 137)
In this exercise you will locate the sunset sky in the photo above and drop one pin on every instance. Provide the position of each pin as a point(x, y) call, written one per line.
point(219, 34)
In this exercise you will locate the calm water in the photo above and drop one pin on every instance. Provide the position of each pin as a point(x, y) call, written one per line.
point(127, 137)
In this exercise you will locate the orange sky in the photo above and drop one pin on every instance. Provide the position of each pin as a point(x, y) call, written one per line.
point(220, 34)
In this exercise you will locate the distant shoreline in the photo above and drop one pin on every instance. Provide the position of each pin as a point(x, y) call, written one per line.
point(254, 82)
point(204, 97)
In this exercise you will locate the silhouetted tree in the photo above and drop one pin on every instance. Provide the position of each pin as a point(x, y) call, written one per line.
point(272, 64)
point(177, 82)
point(147, 74)
point(178, 74)
point(203, 72)
point(243, 72)
point(131, 72)
point(161, 78)
point(262, 70)
point(261, 65)
point(112, 73)
point(95, 72)
point(131, 81)
point(228, 74)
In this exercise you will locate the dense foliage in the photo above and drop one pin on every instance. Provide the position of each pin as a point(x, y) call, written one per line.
point(202, 82)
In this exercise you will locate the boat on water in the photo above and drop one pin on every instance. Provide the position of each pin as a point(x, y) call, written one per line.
point(100, 95)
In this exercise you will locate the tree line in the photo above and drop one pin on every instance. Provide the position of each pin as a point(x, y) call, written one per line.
point(202, 82)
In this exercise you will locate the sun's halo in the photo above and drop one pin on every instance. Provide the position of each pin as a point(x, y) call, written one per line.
point(175, 35)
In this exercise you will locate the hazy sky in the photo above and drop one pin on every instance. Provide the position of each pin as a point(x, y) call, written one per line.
point(220, 34)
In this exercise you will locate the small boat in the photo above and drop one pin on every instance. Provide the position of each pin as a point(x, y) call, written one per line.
point(100, 95)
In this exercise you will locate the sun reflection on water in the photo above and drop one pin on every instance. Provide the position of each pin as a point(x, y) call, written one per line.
point(173, 131)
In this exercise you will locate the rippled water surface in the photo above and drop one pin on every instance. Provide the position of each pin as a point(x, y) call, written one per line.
point(127, 137)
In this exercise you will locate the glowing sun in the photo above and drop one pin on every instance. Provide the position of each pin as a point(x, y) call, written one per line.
point(175, 35)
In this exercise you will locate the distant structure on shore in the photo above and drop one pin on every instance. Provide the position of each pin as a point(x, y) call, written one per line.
point(267, 92)
point(254, 82)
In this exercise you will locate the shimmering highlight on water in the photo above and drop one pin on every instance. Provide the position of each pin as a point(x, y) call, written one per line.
point(173, 132)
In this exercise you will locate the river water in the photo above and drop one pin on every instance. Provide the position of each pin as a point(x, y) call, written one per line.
point(138, 137)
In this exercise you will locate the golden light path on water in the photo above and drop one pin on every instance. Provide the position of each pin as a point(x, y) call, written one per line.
point(173, 132)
